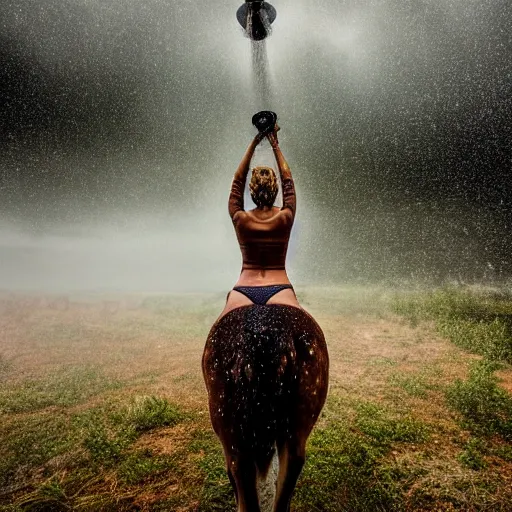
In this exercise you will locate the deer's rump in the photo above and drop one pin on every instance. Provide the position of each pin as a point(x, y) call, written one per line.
point(266, 371)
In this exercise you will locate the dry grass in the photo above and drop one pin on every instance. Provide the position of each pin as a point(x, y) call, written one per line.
point(72, 368)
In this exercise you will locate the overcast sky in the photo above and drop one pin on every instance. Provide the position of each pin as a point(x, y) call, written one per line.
point(122, 122)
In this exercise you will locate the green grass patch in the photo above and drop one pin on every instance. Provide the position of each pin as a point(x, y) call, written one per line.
point(142, 466)
point(376, 422)
point(150, 412)
point(65, 388)
point(50, 496)
point(491, 339)
point(476, 321)
point(343, 472)
point(472, 454)
point(88, 444)
point(485, 407)
point(413, 385)
point(216, 493)
point(503, 452)
point(110, 431)
point(106, 446)
point(347, 466)
point(382, 361)
point(30, 442)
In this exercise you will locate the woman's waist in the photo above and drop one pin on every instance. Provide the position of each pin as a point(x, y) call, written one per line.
point(264, 256)
point(262, 277)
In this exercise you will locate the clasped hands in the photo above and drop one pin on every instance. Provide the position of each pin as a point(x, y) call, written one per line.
point(271, 136)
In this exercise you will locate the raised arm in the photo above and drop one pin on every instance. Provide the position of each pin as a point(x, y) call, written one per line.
point(289, 198)
point(236, 197)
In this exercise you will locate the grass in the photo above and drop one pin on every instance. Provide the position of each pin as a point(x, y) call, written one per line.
point(375, 422)
point(478, 322)
point(97, 440)
point(149, 412)
point(340, 473)
point(216, 493)
point(63, 388)
point(110, 432)
point(348, 465)
point(5, 366)
point(419, 384)
point(472, 455)
point(108, 412)
point(489, 338)
point(29, 443)
point(414, 385)
point(143, 465)
point(484, 406)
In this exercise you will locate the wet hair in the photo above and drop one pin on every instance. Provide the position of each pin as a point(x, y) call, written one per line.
point(263, 186)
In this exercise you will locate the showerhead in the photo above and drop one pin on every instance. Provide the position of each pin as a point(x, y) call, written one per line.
point(264, 121)
point(256, 16)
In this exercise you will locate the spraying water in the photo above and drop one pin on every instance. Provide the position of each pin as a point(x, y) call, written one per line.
point(256, 18)
point(261, 78)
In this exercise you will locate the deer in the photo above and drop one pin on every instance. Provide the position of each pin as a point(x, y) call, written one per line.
point(266, 373)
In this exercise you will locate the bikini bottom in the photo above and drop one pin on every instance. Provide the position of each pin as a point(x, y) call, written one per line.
point(261, 294)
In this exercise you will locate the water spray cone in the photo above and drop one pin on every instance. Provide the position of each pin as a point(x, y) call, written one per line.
point(256, 17)
point(264, 121)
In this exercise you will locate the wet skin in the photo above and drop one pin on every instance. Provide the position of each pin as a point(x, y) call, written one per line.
point(261, 277)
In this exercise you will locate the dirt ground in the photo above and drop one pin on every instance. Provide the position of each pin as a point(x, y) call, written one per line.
point(132, 340)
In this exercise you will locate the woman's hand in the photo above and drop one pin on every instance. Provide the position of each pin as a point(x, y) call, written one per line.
point(258, 137)
point(272, 136)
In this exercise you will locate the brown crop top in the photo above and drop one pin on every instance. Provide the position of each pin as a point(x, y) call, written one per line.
point(263, 243)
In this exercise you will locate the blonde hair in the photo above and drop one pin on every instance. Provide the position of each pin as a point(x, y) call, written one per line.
point(263, 186)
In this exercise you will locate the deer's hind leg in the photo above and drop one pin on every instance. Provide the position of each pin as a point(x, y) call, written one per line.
point(305, 404)
point(242, 474)
point(291, 460)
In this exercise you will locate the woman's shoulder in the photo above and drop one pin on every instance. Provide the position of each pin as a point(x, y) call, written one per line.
point(275, 214)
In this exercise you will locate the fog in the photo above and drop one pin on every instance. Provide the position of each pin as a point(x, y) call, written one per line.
point(122, 124)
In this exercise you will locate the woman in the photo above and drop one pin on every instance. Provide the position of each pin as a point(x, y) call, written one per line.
point(263, 232)
point(265, 362)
